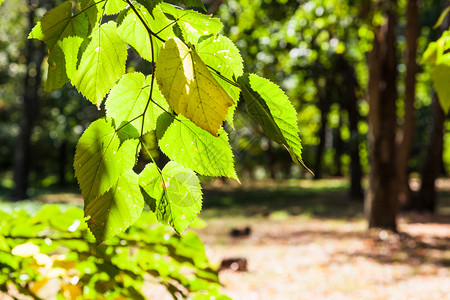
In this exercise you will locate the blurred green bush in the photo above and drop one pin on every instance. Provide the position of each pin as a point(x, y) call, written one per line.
point(53, 255)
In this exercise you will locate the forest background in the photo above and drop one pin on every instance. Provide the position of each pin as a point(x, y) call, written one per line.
point(334, 59)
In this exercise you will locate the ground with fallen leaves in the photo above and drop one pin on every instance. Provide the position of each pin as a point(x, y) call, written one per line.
point(308, 252)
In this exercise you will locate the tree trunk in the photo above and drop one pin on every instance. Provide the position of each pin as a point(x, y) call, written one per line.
point(338, 147)
point(381, 197)
point(351, 105)
point(406, 134)
point(427, 196)
point(34, 57)
point(324, 106)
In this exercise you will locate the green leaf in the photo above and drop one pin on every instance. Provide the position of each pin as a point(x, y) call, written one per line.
point(269, 106)
point(194, 3)
point(102, 63)
point(149, 4)
point(177, 191)
point(100, 159)
point(441, 17)
point(195, 148)
point(56, 76)
point(193, 25)
point(113, 7)
point(114, 211)
point(220, 54)
point(134, 33)
point(70, 47)
point(129, 99)
point(59, 23)
point(92, 11)
point(440, 75)
point(189, 87)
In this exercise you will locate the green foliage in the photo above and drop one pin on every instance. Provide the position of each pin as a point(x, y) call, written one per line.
point(438, 58)
point(55, 248)
point(192, 89)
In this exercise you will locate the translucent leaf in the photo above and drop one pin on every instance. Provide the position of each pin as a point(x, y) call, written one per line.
point(189, 87)
point(193, 25)
point(149, 4)
point(113, 7)
point(102, 63)
point(92, 11)
point(56, 76)
point(194, 3)
point(70, 47)
point(195, 148)
point(100, 159)
point(134, 33)
point(271, 108)
point(59, 23)
point(114, 211)
point(129, 98)
point(440, 75)
point(179, 195)
point(220, 54)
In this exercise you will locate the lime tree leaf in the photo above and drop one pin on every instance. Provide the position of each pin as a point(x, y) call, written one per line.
point(113, 7)
point(114, 211)
point(440, 74)
point(269, 106)
point(151, 182)
point(189, 87)
point(93, 10)
point(129, 99)
point(102, 63)
point(193, 25)
point(56, 76)
point(70, 47)
point(194, 3)
point(195, 148)
point(59, 23)
point(100, 159)
point(134, 33)
point(177, 191)
point(149, 4)
point(220, 54)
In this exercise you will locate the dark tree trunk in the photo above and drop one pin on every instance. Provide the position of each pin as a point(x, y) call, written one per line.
point(381, 197)
point(338, 147)
point(406, 135)
point(351, 105)
point(324, 106)
point(34, 53)
point(426, 200)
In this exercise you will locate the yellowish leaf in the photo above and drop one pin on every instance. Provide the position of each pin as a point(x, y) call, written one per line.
point(189, 87)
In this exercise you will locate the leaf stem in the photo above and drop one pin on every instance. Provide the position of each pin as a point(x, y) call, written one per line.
point(150, 32)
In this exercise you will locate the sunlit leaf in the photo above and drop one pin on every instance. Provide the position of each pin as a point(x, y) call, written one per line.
point(194, 3)
point(133, 32)
point(149, 4)
point(179, 195)
point(117, 209)
point(113, 7)
point(271, 108)
point(193, 25)
point(189, 87)
point(100, 159)
point(102, 63)
point(194, 148)
point(222, 56)
point(59, 23)
point(130, 98)
point(70, 47)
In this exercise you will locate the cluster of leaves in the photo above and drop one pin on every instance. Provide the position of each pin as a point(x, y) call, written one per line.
point(196, 81)
point(53, 254)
